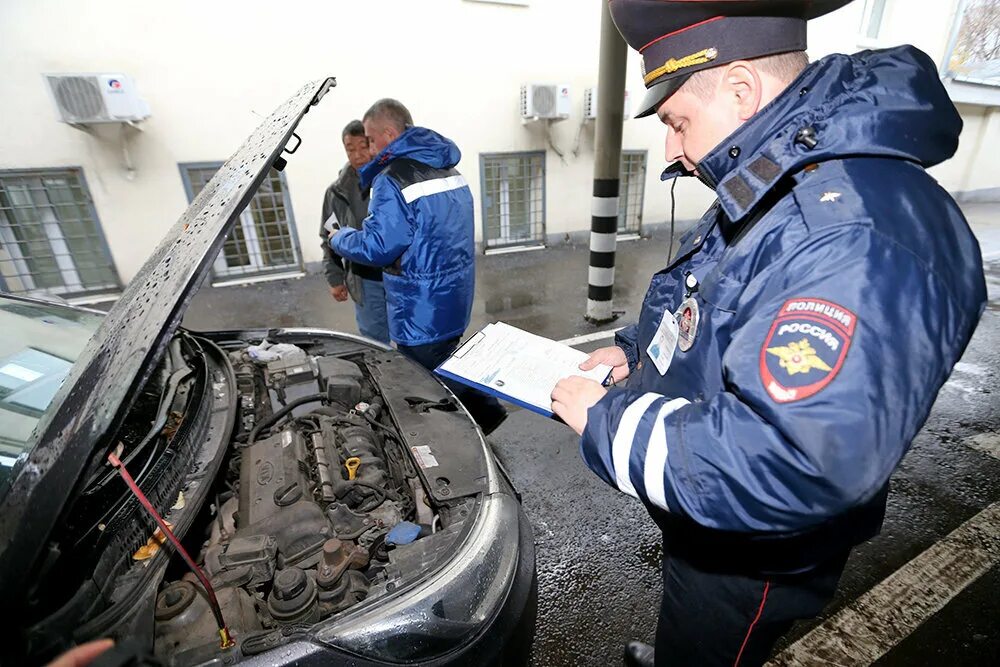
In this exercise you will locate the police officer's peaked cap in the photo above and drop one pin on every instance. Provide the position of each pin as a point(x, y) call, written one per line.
point(680, 37)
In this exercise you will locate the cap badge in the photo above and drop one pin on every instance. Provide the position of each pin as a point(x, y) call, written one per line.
point(674, 64)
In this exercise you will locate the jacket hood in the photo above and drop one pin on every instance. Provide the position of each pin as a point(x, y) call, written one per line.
point(888, 103)
point(418, 144)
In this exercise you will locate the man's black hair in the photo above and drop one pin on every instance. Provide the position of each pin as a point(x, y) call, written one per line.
point(353, 129)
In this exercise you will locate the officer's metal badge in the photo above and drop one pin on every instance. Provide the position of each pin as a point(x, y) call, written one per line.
point(805, 348)
point(687, 323)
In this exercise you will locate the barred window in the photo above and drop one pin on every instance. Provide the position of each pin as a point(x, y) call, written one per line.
point(631, 191)
point(51, 242)
point(513, 193)
point(263, 240)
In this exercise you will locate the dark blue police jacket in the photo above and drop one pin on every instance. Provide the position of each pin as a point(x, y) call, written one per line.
point(833, 286)
point(421, 228)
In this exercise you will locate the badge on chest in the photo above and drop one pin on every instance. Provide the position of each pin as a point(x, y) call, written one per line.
point(676, 331)
point(687, 323)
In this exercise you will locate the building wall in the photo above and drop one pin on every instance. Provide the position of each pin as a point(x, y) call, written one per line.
point(211, 71)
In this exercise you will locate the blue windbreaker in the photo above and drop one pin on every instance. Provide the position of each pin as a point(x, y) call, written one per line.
point(832, 287)
point(420, 227)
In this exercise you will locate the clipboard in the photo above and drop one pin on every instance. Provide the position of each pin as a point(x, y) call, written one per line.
point(516, 366)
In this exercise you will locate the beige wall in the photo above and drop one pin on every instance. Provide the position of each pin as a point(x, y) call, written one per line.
point(211, 70)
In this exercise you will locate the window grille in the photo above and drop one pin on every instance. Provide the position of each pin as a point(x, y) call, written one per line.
point(263, 240)
point(513, 194)
point(631, 191)
point(51, 242)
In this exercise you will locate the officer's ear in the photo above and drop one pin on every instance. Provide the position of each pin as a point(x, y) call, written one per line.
point(744, 87)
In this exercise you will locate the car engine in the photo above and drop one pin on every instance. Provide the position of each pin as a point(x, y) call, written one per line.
point(317, 490)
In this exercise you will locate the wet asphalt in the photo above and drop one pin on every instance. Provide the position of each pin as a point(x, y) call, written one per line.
point(597, 551)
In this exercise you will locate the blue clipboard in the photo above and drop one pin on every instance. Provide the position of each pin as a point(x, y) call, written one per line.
point(494, 392)
point(489, 390)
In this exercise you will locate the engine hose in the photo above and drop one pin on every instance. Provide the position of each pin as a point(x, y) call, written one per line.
point(277, 416)
point(386, 492)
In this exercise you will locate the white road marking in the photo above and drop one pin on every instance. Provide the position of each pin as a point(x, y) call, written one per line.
point(591, 337)
point(870, 626)
point(513, 249)
point(987, 443)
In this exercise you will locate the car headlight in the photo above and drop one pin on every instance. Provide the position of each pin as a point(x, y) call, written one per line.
point(449, 608)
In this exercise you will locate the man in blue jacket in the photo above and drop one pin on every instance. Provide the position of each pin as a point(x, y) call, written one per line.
point(788, 354)
point(420, 229)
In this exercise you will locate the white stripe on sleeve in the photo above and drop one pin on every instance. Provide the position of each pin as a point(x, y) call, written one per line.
point(656, 455)
point(621, 448)
point(413, 192)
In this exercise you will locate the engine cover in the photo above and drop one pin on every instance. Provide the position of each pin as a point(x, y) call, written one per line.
point(276, 499)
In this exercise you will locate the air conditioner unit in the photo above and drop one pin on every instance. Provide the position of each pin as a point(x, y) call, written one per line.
point(590, 104)
point(544, 101)
point(83, 99)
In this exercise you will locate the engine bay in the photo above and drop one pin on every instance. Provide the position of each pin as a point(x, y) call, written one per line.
point(317, 498)
point(307, 478)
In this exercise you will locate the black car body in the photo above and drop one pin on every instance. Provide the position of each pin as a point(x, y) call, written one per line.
point(344, 505)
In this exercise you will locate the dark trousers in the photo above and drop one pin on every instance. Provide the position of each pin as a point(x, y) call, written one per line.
point(485, 409)
point(711, 618)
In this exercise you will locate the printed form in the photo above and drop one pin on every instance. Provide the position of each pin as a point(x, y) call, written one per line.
point(517, 366)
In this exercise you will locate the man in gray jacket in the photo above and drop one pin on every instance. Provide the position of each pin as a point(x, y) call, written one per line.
point(345, 204)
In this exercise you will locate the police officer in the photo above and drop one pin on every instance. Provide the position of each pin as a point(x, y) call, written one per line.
point(788, 354)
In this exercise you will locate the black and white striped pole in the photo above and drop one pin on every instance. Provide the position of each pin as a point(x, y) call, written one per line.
point(607, 170)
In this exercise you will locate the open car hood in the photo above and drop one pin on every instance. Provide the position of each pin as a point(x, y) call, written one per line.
point(132, 340)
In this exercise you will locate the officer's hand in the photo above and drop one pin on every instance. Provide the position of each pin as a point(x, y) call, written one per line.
point(572, 397)
point(613, 356)
point(339, 292)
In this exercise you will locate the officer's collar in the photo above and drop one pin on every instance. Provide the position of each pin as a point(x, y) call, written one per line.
point(777, 141)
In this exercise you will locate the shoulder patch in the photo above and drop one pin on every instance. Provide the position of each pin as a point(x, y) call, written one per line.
point(805, 348)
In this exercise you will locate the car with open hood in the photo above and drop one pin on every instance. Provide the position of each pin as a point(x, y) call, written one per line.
point(341, 504)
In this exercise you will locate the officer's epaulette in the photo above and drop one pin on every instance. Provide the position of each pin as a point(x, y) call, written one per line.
point(826, 195)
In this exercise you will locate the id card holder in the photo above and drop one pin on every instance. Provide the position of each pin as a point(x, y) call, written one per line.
point(661, 348)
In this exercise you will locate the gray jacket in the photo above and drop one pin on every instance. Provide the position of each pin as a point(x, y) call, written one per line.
point(345, 203)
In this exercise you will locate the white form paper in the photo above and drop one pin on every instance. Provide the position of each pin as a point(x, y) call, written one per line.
point(518, 366)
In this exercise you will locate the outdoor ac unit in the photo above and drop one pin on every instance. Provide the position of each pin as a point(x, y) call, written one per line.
point(82, 99)
point(544, 101)
point(590, 104)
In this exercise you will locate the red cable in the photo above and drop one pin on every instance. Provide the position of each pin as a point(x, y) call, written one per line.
point(213, 601)
point(760, 610)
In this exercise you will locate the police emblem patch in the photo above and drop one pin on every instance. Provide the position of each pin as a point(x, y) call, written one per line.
point(805, 348)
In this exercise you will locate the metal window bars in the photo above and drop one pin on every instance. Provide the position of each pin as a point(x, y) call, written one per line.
point(513, 193)
point(631, 192)
point(51, 242)
point(263, 241)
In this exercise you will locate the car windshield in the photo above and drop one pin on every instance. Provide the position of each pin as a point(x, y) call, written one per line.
point(39, 345)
